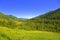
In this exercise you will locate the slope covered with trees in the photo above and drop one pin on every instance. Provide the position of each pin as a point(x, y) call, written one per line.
point(9, 21)
point(50, 21)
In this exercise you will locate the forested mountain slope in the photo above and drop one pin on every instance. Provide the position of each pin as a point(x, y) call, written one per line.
point(9, 21)
point(49, 21)
point(55, 14)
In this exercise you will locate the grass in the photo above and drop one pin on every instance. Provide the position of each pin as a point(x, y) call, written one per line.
point(15, 34)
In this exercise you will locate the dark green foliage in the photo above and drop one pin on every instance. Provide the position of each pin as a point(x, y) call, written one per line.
point(47, 22)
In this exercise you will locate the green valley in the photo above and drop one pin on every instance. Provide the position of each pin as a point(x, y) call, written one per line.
point(42, 27)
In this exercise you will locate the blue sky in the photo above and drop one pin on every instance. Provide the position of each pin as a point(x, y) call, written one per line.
point(28, 8)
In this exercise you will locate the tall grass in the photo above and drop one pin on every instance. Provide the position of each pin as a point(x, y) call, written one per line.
point(15, 34)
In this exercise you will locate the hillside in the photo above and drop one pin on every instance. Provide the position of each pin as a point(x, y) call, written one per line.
point(9, 21)
point(55, 14)
point(49, 21)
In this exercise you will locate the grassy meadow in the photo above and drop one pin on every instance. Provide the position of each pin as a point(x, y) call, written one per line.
point(15, 34)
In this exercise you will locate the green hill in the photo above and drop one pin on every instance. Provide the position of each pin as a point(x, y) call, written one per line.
point(49, 21)
point(55, 14)
point(9, 21)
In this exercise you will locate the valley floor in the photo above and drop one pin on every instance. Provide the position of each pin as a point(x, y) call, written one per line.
point(15, 34)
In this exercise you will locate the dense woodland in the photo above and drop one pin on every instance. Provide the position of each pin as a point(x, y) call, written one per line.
point(49, 21)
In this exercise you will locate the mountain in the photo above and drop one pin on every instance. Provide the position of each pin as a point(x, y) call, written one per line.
point(55, 14)
point(9, 21)
point(49, 21)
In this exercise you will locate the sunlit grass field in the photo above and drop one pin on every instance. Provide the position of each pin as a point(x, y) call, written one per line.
point(15, 34)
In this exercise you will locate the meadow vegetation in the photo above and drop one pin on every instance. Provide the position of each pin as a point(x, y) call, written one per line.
point(15, 34)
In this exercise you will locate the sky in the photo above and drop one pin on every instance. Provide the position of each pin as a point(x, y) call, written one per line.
point(28, 8)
